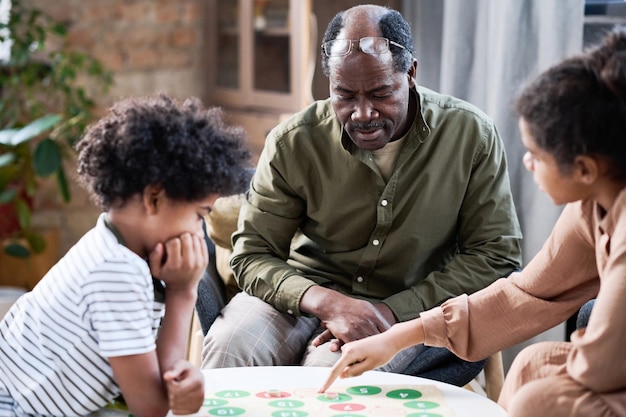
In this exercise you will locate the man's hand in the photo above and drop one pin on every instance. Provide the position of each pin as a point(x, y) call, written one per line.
point(185, 388)
point(345, 318)
point(180, 261)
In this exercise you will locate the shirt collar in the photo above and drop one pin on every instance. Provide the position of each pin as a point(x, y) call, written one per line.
point(608, 220)
point(113, 229)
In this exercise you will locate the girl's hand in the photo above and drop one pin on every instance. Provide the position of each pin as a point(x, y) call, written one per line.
point(375, 351)
point(360, 356)
point(185, 388)
point(180, 261)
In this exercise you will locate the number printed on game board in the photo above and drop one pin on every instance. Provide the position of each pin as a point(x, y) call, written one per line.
point(364, 390)
point(232, 394)
point(290, 413)
point(286, 403)
point(214, 402)
point(227, 411)
point(352, 401)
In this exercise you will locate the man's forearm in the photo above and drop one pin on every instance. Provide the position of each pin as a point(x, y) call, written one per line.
point(320, 301)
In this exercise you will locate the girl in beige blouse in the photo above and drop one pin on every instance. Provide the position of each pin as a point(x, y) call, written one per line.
point(573, 125)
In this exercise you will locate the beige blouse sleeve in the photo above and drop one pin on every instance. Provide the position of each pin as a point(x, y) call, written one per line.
point(597, 357)
point(561, 277)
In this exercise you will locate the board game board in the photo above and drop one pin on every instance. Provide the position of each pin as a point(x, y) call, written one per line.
point(351, 401)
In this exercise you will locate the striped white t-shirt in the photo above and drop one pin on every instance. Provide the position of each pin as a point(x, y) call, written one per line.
point(95, 303)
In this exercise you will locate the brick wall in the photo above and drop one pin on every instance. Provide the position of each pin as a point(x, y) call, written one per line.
point(151, 46)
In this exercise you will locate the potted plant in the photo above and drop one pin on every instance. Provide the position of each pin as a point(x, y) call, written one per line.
point(44, 108)
point(19, 168)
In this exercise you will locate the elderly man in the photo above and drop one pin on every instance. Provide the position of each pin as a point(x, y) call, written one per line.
point(365, 210)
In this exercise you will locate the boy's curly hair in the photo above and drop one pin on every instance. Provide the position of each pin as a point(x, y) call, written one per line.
point(182, 146)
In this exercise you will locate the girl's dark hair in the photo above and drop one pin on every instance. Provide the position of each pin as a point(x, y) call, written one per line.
point(578, 107)
point(182, 146)
point(392, 26)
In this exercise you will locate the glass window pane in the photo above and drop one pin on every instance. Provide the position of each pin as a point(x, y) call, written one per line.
point(272, 52)
point(228, 44)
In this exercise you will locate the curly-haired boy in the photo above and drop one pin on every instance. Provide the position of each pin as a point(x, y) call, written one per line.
point(88, 331)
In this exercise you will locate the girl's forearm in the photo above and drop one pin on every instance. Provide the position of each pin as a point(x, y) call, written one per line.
point(406, 334)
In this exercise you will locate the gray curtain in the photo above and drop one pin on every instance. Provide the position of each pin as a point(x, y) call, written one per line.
point(483, 51)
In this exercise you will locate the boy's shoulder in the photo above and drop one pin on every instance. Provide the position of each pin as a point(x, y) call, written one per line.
point(99, 250)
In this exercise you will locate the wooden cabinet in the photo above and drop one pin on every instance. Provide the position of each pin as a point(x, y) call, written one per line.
point(263, 59)
point(264, 53)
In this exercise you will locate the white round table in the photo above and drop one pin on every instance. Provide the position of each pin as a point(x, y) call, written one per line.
point(8, 296)
point(463, 403)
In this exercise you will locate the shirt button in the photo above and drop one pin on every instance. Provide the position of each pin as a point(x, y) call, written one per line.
point(290, 312)
point(376, 242)
point(359, 279)
point(384, 203)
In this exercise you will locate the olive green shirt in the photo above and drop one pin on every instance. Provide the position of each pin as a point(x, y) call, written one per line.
point(319, 212)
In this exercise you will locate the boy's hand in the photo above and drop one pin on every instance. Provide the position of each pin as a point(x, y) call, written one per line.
point(180, 261)
point(185, 388)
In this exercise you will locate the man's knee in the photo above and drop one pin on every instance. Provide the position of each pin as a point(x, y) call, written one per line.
point(442, 365)
point(584, 313)
point(320, 355)
point(250, 332)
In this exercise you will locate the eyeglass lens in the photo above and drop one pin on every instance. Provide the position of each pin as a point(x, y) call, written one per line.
point(369, 45)
point(374, 45)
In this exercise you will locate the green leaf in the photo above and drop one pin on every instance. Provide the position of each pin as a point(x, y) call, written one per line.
point(35, 128)
point(64, 187)
point(6, 136)
point(47, 158)
point(17, 250)
point(7, 158)
point(23, 214)
point(59, 29)
point(7, 196)
point(36, 242)
point(39, 43)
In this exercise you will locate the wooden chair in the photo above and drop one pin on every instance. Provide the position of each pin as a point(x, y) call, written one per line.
point(489, 382)
point(194, 346)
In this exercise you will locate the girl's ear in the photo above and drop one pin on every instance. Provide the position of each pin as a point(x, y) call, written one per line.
point(587, 169)
point(152, 198)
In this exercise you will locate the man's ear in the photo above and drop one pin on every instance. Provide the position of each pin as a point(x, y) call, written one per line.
point(153, 198)
point(412, 73)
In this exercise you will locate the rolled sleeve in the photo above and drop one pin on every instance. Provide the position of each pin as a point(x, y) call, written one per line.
point(434, 327)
